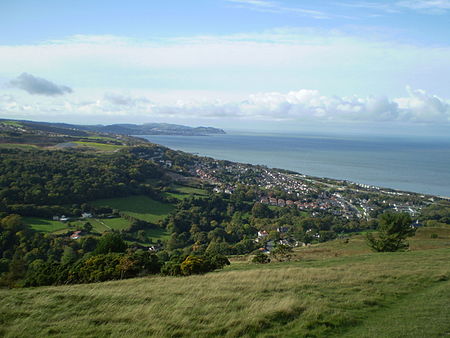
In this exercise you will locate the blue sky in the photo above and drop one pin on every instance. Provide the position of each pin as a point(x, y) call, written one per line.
point(226, 62)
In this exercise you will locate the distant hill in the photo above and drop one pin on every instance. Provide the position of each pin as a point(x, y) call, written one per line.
point(123, 129)
point(153, 129)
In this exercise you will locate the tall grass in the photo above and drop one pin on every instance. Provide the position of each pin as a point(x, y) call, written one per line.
point(314, 298)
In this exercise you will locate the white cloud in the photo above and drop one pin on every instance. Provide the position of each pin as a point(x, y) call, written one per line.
point(297, 106)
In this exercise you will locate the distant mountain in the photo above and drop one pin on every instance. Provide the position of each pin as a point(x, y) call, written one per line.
point(122, 129)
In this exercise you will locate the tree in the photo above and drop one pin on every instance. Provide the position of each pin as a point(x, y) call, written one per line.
point(260, 210)
point(393, 229)
point(111, 242)
point(87, 227)
point(282, 253)
point(69, 256)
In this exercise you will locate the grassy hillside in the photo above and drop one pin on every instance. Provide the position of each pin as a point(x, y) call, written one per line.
point(354, 294)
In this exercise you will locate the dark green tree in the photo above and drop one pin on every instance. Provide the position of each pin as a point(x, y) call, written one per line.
point(282, 253)
point(260, 210)
point(393, 229)
point(111, 242)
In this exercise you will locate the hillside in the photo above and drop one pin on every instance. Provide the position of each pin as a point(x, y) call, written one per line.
point(354, 294)
point(121, 129)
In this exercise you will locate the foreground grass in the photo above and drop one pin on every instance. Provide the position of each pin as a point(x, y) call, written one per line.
point(354, 296)
point(140, 207)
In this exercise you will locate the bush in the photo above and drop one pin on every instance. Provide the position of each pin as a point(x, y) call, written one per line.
point(194, 265)
point(261, 258)
point(171, 268)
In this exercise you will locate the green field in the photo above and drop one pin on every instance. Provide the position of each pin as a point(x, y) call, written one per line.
point(99, 146)
point(182, 192)
point(105, 224)
point(156, 234)
point(44, 225)
point(140, 207)
point(17, 146)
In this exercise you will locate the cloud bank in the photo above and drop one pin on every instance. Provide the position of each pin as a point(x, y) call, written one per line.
point(38, 86)
point(297, 106)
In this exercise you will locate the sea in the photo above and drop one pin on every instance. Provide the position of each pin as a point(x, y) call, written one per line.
point(403, 163)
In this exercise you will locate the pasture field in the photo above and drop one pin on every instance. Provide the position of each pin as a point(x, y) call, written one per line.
point(140, 207)
point(17, 146)
point(182, 192)
point(44, 225)
point(99, 146)
point(353, 294)
point(105, 224)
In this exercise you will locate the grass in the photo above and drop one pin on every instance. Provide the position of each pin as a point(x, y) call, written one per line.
point(105, 224)
point(140, 207)
point(345, 296)
point(17, 146)
point(99, 146)
point(44, 225)
point(158, 233)
point(12, 123)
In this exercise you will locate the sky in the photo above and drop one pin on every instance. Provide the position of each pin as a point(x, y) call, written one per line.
point(239, 64)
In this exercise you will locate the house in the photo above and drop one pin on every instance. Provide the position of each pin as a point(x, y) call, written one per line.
point(263, 234)
point(264, 200)
point(86, 215)
point(75, 235)
point(282, 229)
point(63, 218)
point(283, 242)
point(55, 218)
point(416, 224)
point(281, 202)
point(273, 201)
point(289, 203)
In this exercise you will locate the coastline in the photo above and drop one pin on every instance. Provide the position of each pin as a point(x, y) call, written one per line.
point(361, 162)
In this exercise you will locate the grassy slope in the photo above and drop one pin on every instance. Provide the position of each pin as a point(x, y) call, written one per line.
point(365, 294)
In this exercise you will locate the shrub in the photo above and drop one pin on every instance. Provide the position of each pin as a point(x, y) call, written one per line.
point(261, 258)
point(194, 265)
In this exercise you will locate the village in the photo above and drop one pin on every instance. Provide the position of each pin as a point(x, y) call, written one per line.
point(281, 188)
